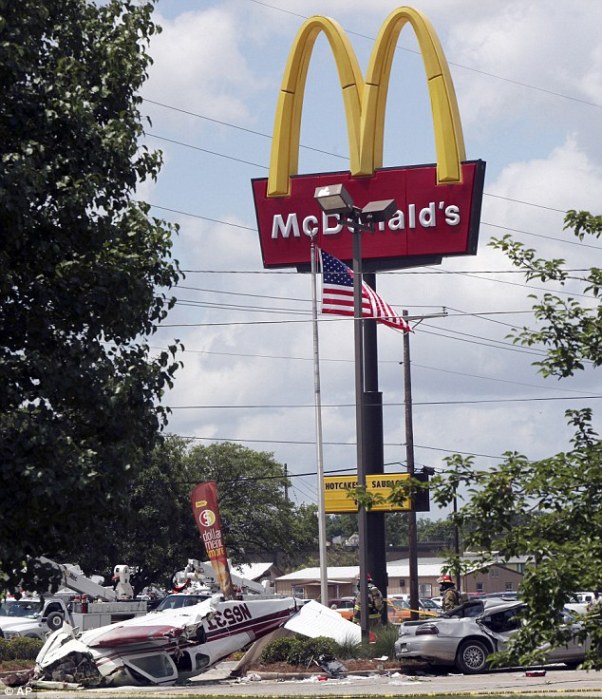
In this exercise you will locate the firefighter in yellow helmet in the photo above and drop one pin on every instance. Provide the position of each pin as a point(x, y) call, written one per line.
point(449, 594)
point(375, 605)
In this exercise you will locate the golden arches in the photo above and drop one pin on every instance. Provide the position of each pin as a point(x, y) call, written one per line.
point(365, 102)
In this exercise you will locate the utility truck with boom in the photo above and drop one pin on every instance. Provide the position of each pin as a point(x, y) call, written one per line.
point(94, 605)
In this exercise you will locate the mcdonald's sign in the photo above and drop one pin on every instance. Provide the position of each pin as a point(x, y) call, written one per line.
point(439, 205)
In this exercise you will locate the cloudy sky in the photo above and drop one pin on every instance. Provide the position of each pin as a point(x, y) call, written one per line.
point(528, 77)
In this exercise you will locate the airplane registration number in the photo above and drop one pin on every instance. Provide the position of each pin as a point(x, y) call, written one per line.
point(229, 616)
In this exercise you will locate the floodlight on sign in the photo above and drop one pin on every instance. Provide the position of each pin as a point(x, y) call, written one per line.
point(334, 199)
point(377, 211)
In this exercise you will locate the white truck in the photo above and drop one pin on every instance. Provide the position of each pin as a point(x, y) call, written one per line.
point(93, 606)
point(31, 617)
point(202, 573)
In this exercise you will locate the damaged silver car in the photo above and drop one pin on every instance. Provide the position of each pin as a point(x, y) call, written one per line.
point(465, 638)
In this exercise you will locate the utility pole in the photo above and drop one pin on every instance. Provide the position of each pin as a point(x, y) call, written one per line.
point(409, 434)
point(409, 429)
point(457, 542)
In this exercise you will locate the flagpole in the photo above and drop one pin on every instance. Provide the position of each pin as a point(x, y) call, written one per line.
point(318, 421)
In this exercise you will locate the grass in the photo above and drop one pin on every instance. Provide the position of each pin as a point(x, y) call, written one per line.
point(347, 695)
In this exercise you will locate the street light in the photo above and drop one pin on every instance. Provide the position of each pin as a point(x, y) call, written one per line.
point(335, 199)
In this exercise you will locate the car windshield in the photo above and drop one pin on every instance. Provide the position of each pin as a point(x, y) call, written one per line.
point(20, 608)
point(468, 609)
point(429, 604)
point(179, 601)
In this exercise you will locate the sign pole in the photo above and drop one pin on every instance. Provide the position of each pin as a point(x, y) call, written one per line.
point(409, 431)
point(358, 332)
point(319, 441)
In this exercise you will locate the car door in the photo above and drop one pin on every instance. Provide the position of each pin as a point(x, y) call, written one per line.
point(501, 624)
point(574, 651)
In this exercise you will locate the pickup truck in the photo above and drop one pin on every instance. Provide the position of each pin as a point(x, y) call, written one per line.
point(33, 617)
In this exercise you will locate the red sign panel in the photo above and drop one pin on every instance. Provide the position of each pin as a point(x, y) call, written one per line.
point(432, 220)
point(203, 500)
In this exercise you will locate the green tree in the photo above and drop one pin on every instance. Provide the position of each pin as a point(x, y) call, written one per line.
point(256, 514)
point(343, 525)
point(440, 531)
point(83, 266)
point(396, 528)
point(158, 535)
point(549, 510)
point(571, 332)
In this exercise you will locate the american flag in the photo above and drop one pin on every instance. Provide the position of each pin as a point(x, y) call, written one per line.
point(337, 295)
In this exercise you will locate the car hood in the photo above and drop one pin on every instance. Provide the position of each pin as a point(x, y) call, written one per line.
point(10, 624)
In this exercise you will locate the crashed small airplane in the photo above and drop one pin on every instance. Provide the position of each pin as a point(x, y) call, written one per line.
point(160, 647)
point(172, 645)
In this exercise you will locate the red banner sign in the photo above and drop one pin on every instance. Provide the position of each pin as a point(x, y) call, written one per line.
point(431, 219)
point(206, 515)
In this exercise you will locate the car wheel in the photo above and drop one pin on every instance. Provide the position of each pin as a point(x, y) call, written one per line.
point(54, 621)
point(472, 657)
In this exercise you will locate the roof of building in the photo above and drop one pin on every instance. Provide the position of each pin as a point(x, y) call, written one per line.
point(251, 571)
point(427, 568)
point(345, 573)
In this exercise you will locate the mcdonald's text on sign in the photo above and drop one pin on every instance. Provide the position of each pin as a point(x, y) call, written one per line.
point(337, 489)
point(439, 205)
point(431, 219)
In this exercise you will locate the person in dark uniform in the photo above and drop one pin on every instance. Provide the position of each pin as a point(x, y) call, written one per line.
point(375, 605)
point(451, 598)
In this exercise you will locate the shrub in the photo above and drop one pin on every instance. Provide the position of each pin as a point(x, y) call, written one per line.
point(385, 641)
point(20, 648)
point(296, 651)
point(315, 648)
point(277, 651)
point(349, 650)
point(303, 651)
point(299, 651)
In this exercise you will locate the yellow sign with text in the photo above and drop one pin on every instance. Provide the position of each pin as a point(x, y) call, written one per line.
point(338, 500)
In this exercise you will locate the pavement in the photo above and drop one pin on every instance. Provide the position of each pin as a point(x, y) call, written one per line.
point(218, 682)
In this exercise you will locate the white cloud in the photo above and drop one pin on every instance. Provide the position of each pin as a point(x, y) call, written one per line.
point(200, 64)
point(525, 44)
point(544, 155)
point(566, 179)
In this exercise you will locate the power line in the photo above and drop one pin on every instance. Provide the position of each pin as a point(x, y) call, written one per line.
point(307, 406)
point(494, 344)
point(452, 334)
point(205, 150)
point(323, 359)
point(511, 81)
point(290, 442)
point(238, 128)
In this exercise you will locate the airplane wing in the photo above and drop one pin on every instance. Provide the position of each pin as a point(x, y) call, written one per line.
point(315, 619)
